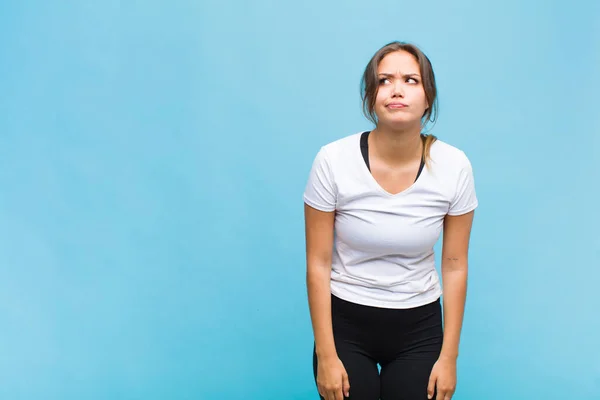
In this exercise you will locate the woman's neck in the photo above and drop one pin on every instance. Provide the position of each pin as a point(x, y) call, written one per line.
point(396, 147)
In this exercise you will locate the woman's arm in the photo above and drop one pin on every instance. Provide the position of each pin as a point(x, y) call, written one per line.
point(455, 252)
point(332, 378)
point(457, 233)
point(319, 246)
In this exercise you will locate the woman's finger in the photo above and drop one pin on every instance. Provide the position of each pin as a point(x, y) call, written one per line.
point(431, 386)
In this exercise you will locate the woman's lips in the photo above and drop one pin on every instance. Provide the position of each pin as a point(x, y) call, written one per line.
point(397, 105)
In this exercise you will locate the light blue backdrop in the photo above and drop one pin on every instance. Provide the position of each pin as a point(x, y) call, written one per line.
point(153, 157)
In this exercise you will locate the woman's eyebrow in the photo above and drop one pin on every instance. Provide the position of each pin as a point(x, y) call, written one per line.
point(385, 74)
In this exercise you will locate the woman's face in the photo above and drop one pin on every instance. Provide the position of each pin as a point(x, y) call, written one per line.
point(400, 97)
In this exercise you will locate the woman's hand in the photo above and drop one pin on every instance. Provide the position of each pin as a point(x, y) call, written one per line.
point(442, 378)
point(332, 379)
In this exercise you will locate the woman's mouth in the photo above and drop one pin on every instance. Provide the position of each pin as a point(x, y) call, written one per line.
point(396, 105)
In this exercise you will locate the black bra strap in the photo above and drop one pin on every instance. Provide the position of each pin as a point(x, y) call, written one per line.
point(421, 167)
point(364, 147)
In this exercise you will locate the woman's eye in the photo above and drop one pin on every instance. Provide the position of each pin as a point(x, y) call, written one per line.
point(413, 80)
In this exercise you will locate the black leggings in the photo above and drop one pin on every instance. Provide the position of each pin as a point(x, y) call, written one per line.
point(405, 343)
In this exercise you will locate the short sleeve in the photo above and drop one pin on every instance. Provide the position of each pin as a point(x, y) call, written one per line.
point(465, 198)
point(320, 191)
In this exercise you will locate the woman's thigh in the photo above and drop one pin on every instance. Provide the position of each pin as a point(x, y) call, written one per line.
point(405, 372)
point(362, 371)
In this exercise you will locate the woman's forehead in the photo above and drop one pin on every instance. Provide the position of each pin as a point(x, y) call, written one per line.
point(399, 62)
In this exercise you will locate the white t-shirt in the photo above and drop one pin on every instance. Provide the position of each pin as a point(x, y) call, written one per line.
point(383, 248)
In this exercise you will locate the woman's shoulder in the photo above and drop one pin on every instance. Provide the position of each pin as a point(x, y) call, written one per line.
point(447, 154)
point(339, 149)
point(343, 142)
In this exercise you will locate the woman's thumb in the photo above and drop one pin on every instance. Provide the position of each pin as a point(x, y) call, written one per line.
point(346, 385)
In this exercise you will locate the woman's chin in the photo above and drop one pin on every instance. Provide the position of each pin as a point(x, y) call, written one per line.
point(399, 122)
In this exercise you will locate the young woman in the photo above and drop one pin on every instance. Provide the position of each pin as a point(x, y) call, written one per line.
point(376, 202)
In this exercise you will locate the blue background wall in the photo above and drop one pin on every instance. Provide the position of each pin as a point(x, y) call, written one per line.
point(153, 157)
